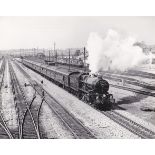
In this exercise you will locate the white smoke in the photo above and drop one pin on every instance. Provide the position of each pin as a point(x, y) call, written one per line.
point(113, 52)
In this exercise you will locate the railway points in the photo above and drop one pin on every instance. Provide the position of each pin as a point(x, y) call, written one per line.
point(76, 128)
point(131, 127)
point(61, 80)
point(29, 108)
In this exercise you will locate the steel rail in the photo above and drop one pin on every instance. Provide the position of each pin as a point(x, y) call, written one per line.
point(130, 125)
point(27, 106)
point(4, 125)
point(134, 90)
point(148, 93)
point(75, 126)
point(127, 123)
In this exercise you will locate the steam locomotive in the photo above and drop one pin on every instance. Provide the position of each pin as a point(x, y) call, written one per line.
point(96, 91)
point(89, 88)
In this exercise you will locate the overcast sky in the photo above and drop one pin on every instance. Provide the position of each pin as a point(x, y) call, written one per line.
point(68, 32)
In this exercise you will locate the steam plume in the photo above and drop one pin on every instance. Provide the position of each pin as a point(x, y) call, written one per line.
point(113, 52)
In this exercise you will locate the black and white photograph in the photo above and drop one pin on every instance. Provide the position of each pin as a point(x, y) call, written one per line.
point(77, 77)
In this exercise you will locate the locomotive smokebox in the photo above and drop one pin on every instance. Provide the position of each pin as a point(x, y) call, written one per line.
point(98, 84)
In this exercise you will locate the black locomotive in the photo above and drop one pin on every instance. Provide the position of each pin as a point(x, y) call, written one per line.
point(89, 88)
point(96, 91)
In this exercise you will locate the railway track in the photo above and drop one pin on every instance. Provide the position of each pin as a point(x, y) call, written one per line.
point(134, 73)
point(140, 74)
point(125, 122)
point(143, 92)
point(27, 117)
point(128, 80)
point(130, 125)
point(76, 128)
point(4, 130)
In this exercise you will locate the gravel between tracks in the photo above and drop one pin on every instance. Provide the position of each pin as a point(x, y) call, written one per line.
point(140, 121)
point(8, 105)
point(99, 124)
point(50, 124)
point(133, 103)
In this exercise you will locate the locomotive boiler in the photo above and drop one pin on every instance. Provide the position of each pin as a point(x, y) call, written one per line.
point(96, 91)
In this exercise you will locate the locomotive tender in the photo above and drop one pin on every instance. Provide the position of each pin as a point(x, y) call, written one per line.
point(91, 89)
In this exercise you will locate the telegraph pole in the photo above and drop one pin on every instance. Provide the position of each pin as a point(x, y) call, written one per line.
point(49, 54)
point(56, 57)
point(52, 57)
point(54, 48)
point(55, 53)
point(23, 52)
point(84, 58)
point(69, 59)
